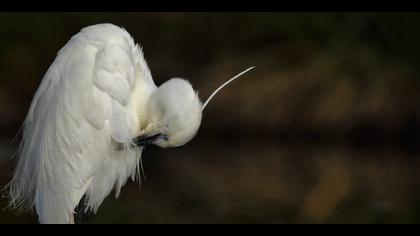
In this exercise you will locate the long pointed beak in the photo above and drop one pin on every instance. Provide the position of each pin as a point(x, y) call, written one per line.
point(144, 140)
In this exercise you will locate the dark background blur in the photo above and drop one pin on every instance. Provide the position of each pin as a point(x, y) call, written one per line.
point(325, 129)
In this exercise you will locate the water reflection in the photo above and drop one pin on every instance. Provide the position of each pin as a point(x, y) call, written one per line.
point(207, 182)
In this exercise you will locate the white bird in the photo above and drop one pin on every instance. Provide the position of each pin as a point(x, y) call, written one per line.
point(95, 110)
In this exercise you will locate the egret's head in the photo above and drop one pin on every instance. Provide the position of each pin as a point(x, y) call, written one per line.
point(174, 114)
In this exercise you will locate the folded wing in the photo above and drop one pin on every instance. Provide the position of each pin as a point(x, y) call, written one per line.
point(83, 107)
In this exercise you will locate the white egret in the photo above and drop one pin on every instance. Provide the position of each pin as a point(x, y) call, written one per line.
point(94, 111)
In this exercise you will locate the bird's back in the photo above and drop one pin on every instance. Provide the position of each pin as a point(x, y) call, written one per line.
point(87, 104)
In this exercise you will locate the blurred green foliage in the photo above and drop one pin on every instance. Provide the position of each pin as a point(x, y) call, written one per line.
point(323, 70)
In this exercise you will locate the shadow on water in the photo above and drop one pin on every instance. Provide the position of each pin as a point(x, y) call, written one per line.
point(270, 182)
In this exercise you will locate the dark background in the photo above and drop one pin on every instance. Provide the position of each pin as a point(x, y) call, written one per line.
point(325, 129)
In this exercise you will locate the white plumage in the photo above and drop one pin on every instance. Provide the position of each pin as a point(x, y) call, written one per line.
point(87, 99)
point(94, 100)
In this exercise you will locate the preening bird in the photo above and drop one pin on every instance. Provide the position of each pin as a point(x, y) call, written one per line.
point(95, 110)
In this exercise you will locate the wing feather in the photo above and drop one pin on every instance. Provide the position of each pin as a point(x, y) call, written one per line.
point(84, 106)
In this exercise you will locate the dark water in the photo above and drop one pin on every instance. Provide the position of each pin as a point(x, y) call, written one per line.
point(207, 182)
